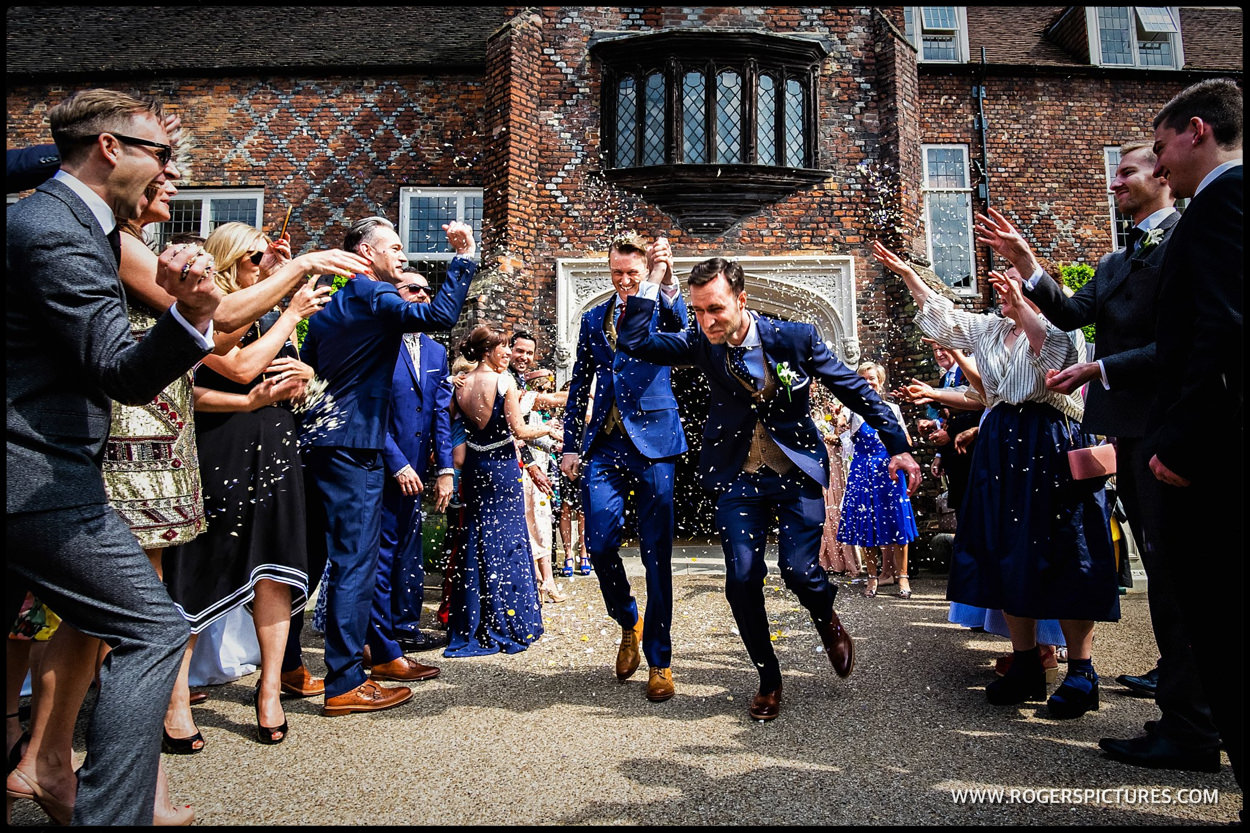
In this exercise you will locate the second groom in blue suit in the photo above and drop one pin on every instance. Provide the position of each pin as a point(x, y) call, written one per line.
point(630, 446)
point(762, 455)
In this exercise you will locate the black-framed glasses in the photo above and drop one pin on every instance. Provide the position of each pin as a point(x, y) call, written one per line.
point(256, 257)
point(163, 152)
point(417, 287)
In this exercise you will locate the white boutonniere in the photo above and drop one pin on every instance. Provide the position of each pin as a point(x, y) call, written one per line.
point(786, 376)
point(1152, 238)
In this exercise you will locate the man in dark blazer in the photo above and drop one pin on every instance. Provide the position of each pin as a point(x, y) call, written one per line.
point(69, 354)
point(1195, 434)
point(419, 428)
point(1120, 301)
point(352, 344)
point(762, 454)
point(630, 446)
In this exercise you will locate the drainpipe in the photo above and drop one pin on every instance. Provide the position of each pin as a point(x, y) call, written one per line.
point(983, 190)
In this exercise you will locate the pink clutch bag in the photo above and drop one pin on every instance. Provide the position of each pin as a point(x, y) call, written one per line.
point(1093, 461)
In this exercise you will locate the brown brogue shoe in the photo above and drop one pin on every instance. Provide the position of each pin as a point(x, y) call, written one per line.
point(660, 685)
point(627, 656)
point(404, 670)
point(766, 705)
point(838, 645)
point(301, 684)
point(366, 697)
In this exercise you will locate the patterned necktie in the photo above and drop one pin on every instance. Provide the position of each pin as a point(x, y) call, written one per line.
point(1134, 237)
point(738, 365)
point(115, 243)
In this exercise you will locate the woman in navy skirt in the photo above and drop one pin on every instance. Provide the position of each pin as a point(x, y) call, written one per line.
point(1030, 540)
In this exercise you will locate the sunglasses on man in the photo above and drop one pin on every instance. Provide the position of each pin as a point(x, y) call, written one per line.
point(163, 152)
point(415, 287)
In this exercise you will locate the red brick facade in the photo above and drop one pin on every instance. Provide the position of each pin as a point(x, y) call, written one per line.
point(339, 141)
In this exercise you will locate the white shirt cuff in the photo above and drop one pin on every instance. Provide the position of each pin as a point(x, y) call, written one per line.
point(1102, 371)
point(205, 339)
point(1034, 278)
point(649, 291)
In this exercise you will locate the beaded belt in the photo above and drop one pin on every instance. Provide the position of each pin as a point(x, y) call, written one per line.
point(490, 447)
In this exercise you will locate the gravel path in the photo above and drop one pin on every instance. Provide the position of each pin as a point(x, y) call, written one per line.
point(549, 737)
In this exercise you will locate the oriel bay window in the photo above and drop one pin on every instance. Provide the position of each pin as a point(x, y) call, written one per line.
point(710, 126)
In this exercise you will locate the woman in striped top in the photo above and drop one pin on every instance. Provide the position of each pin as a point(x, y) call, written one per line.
point(1030, 540)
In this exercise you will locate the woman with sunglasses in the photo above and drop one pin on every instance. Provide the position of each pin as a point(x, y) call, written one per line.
point(254, 552)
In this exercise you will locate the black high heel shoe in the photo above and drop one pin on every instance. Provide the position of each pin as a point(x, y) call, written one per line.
point(265, 734)
point(181, 746)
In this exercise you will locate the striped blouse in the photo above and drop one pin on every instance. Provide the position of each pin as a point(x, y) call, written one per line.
point(1012, 375)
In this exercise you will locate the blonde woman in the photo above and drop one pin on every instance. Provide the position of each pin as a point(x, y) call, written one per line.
point(255, 550)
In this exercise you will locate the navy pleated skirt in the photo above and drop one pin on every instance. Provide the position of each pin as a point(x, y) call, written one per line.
point(1031, 540)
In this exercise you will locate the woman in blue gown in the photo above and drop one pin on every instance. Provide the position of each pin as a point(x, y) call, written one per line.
point(494, 598)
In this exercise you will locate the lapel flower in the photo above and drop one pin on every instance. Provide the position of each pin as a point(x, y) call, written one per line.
point(786, 376)
point(1152, 238)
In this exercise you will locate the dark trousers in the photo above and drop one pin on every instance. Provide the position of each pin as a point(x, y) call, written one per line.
point(400, 588)
point(85, 564)
point(1204, 524)
point(753, 505)
point(1185, 716)
point(347, 482)
point(613, 469)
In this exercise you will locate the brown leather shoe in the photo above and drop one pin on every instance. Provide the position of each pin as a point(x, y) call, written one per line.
point(301, 684)
point(366, 656)
point(627, 657)
point(766, 705)
point(197, 697)
point(838, 645)
point(660, 685)
point(366, 697)
point(403, 669)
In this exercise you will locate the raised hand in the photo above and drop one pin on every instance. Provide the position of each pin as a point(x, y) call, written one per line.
point(890, 260)
point(276, 254)
point(997, 232)
point(332, 262)
point(660, 262)
point(308, 299)
point(460, 237)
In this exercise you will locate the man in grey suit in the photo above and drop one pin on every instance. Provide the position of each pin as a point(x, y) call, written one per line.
point(1120, 301)
point(69, 353)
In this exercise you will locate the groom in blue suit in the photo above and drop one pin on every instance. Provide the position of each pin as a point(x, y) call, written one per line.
point(762, 454)
point(352, 345)
point(419, 427)
point(630, 446)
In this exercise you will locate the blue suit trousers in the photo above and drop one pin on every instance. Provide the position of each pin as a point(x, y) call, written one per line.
point(746, 512)
point(348, 483)
point(400, 589)
point(613, 469)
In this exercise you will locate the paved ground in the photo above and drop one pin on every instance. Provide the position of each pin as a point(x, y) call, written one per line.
point(549, 737)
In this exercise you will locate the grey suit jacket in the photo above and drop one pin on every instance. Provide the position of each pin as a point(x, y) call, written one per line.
point(69, 351)
point(1120, 302)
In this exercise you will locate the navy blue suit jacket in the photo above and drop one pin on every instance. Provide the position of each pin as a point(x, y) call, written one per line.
point(733, 412)
point(352, 344)
point(641, 391)
point(420, 420)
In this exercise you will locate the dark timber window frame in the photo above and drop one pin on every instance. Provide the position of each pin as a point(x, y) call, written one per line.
point(710, 193)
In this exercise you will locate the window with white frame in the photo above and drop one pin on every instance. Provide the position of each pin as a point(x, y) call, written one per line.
point(422, 214)
point(198, 212)
point(1135, 36)
point(939, 33)
point(1120, 224)
point(948, 215)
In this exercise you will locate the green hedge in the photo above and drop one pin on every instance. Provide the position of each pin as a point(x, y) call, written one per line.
point(1074, 276)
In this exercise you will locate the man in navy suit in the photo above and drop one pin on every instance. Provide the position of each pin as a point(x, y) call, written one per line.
point(762, 455)
point(631, 445)
point(352, 344)
point(1195, 433)
point(419, 426)
point(1120, 301)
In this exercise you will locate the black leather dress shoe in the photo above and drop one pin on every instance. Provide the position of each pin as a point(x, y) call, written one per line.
point(422, 641)
point(1143, 686)
point(1157, 752)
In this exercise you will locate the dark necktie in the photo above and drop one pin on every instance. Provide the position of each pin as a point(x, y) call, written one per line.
point(738, 365)
point(1134, 238)
point(115, 243)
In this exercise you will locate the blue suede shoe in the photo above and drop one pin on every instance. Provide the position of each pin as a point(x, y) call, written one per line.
point(1077, 695)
